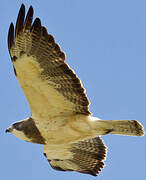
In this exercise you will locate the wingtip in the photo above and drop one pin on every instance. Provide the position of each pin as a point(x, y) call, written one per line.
point(10, 36)
point(11, 27)
point(20, 20)
point(36, 24)
point(22, 6)
point(28, 19)
point(31, 7)
point(31, 10)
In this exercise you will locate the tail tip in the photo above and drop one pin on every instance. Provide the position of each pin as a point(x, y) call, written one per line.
point(138, 128)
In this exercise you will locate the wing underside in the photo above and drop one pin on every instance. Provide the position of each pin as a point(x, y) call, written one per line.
point(85, 157)
point(41, 71)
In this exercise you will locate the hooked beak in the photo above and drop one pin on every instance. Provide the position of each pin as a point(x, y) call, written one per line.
point(8, 130)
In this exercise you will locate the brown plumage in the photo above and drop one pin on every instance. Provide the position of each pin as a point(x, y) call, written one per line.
point(87, 157)
point(33, 40)
point(60, 117)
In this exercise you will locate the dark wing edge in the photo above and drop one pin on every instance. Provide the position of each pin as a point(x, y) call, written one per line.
point(88, 157)
point(24, 25)
point(34, 40)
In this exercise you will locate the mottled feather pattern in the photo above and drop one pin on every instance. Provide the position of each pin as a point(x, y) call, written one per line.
point(60, 117)
point(34, 41)
point(88, 157)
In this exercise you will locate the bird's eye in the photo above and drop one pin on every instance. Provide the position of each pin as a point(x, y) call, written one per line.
point(16, 126)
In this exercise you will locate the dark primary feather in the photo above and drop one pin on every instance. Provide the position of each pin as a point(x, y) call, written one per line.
point(28, 19)
point(11, 36)
point(88, 156)
point(20, 20)
point(34, 40)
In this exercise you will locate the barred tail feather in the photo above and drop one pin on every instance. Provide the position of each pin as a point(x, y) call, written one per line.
point(124, 127)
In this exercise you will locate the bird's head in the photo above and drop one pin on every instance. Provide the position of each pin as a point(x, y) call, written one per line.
point(27, 131)
point(18, 129)
point(15, 127)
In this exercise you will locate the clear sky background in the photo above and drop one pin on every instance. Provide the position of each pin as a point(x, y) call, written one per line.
point(105, 43)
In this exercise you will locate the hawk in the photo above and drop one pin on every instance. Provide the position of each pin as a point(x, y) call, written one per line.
point(60, 117)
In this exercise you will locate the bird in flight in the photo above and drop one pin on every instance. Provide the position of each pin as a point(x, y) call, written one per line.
point(60, 117)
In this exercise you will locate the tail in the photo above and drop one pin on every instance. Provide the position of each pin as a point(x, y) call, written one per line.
point(123, 127)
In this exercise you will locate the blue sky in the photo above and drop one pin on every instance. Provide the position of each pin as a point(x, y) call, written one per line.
point(105, 43)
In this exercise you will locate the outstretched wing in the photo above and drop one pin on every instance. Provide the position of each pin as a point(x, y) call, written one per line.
point(50, 86)
point(85, 156)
